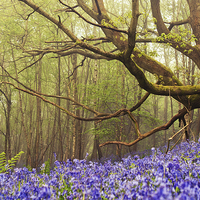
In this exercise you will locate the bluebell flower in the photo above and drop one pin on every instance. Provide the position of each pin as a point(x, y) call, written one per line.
point(45, 192)
point(163, 177)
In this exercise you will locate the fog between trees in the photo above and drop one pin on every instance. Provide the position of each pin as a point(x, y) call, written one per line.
point(97, 77)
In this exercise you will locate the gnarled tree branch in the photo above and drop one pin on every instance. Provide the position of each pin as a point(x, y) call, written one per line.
point(145, 135)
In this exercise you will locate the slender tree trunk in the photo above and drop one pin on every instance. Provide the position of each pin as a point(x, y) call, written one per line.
point(165, 117)
point(8, 127)
point(28, 153)
point(38, 116)
point(166, 56)
point(7, 110)
point(135, 146)
point(83, 124)
point(60, 138)
point(54, 133)
point(138, 114)
point(117, 129)
point(96, 147)
point(67, 131)
point(192, 112)
point(198, 126)
point(76, 152)
point(68, 93)
point(95, 150)
point(31, 127)
point(155, 114)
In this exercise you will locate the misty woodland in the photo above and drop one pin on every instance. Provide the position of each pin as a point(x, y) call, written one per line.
point(100, 99)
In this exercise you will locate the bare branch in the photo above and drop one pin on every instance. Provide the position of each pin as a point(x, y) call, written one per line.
point(172, 24)
point(171, 138)
point(135, 122)
point(140, 102)
point(35, 52)
point(69, 33)
point(117, 38)
point(63, 53)
point(145, 135)
point(155, 6)
point(5, 96)
point(41, 56)
point(38, 93)
point(4, 134)
point(88, 39)
point(66, 9)
point(80, 65)
point(152, 40)
point(98, 115)
point(89, 22)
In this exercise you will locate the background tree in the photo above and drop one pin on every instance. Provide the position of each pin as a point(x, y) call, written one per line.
point(113, 83)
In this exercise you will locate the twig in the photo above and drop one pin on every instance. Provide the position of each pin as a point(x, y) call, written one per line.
point(80, 65)
point(171, 138)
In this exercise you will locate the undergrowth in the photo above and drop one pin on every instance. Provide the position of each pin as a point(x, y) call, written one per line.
point(10, 164)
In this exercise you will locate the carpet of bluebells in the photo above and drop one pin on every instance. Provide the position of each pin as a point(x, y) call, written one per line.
point(156, 176)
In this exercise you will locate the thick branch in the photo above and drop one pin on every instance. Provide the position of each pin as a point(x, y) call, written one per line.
point(179, 45)
point(115, 37)
point(159, 89)
point(98, 8)
point(132, 28)
point(155, 6)
point(85, 53)
point(194, 19)
point(68, 32)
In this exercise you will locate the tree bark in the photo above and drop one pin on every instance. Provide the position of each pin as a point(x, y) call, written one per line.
point(38, 117)
point(28, 143)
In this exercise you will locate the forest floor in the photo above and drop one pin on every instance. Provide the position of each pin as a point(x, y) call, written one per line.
point(174, 175)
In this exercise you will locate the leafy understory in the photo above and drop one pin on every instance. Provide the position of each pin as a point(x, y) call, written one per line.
point(158, 176)
point(5, 166)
